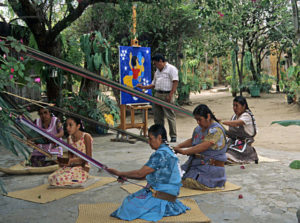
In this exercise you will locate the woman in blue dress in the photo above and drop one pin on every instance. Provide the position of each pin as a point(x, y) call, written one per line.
point(204, 169)
point(162, 172)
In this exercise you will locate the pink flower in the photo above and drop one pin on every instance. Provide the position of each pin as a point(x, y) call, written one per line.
point(220, 14)
point(12, 70)
point(22, 58)
point(11, 76)
point(37, 80)
point(0, 108)
point(21, 40)
point(10, 115)
point(4, 56)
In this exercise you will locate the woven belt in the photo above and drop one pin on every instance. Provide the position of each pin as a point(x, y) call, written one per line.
point(163, 92)
point(163, 195)
point(210, 161)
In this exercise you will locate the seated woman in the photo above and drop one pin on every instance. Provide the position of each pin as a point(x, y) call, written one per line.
point(204, 170)
point(50, 124)
point(159, 198)
point(74, 170)
point(241, 132)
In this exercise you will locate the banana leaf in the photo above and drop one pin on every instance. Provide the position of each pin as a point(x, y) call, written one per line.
point(295, 164)
point(286, 122)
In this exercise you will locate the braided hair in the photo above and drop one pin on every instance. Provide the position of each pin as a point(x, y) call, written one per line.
point(203, 110)
point(242, 101)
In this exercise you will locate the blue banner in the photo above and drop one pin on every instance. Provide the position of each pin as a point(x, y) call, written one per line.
point(135, 68)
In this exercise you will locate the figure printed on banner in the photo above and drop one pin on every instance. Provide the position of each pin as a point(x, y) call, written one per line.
point(135, 68)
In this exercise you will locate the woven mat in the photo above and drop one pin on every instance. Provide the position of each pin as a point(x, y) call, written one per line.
point(184, 192)
point(42, 194)
point(100, 213)
point(262, 159)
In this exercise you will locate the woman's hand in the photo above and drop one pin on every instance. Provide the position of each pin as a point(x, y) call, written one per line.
point(114, 171)
point(62, 162)
point(177, 149)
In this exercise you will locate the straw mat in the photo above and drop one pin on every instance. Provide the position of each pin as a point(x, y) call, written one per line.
point(42, 194)
point(100, 213)
point(262, 159)
point(184, 192)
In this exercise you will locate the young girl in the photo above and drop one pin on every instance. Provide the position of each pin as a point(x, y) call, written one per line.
point(74, 170)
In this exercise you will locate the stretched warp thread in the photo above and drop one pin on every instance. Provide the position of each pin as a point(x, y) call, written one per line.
point(39, 103)
point(69, 147)
point(46, 58)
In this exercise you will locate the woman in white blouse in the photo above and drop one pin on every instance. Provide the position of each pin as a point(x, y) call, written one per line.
point(241, 133)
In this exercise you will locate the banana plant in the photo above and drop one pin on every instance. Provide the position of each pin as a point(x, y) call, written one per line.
point(286, 123)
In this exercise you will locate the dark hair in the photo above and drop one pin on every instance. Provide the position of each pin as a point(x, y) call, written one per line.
point(157, 57)
point(133, 61)
point(46, 108)
point(77, 121)
point(241, 100)
point(203, 110)
point(157, 130)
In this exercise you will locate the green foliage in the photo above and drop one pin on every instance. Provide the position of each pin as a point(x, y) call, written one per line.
point(287, 122)
point(295, 164)
point(232, 79)
point(191, 84)
point(296, 54)
point(13, 73)
point(266, 83)
point(88, 107)
point(7, 140)
point(290, 81)
point(97, 52)
point(12, 63)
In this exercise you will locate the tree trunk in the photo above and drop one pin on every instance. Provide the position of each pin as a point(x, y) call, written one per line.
point(296, 20)
point(242, 65)
point(90, 88)
point(52, 48)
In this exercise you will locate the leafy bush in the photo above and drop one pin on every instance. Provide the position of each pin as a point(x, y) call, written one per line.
point(103, 109)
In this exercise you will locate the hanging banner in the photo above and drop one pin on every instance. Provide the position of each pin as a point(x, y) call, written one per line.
point(135, 68)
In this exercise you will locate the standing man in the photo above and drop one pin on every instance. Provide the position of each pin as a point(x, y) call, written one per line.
point(165, 83)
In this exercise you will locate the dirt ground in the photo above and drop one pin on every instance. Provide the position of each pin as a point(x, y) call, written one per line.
point(267, 108)
point(271, 191)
